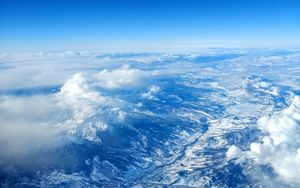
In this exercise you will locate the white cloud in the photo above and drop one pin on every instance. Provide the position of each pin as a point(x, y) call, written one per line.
point(151, 91)
point(77, 95)
point(80, 97)
point(45, 68)
point(27, 130)
point(36, 123)
point(30, 123)
point(122, 77)
point(280, 148)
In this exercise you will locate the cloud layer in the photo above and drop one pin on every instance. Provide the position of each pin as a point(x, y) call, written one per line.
point(34, 124)
point(86, 119)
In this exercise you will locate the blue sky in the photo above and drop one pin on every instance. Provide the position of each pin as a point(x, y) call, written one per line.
point(147, 24)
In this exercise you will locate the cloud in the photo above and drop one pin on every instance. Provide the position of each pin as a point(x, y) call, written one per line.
point(96, 95)
point(77, 95)
point(45, 68)
point(280, 147)
point(121, 77)
point(28, 135)
point(31, 123)
point(38, 124)
point(41, 125)
point(82, 101)
point(153, 89)
point(81, 96)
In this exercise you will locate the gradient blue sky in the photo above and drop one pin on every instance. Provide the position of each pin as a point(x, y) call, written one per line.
point(147, 24)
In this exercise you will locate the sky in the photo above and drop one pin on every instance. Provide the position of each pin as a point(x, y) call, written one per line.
point(147, 24)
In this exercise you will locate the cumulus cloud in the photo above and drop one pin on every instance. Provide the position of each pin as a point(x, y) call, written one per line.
point(87, 106)
point(280, 147)
point(34, 124)
point(151, 91)
point(81, 96)
point(77, 94)
point(122, 77)
point(41, 119)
